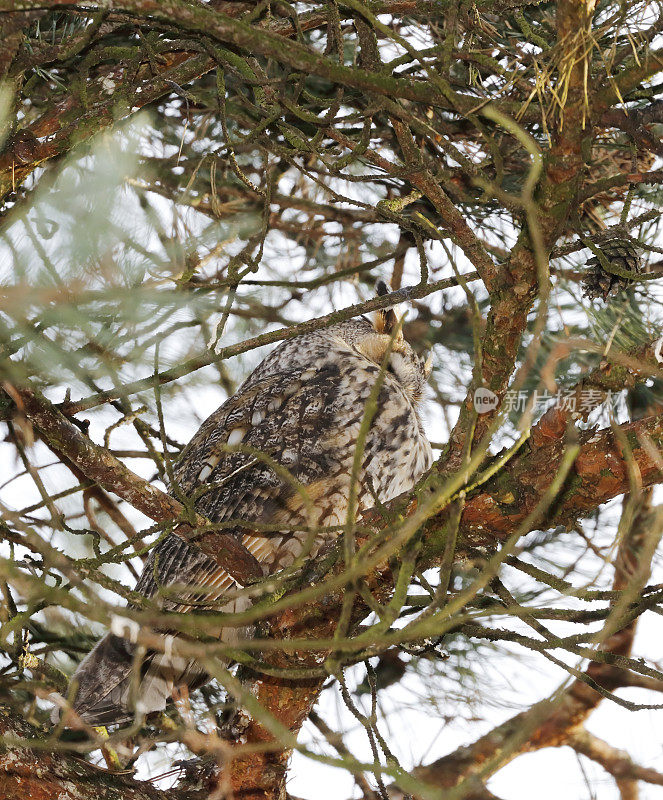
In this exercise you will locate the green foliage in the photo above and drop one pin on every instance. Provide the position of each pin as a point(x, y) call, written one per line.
point(287, 157)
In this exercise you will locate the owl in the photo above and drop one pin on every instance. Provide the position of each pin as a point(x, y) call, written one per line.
point(275, 464)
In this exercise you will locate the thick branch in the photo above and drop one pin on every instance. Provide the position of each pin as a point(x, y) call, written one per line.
point(519, 279)
point(66, 125)
point(600, 475)
point(222, 27)
point(40, 774)
point(616, 762)
point(97, 464)
point(552, 723)
point(491, 513)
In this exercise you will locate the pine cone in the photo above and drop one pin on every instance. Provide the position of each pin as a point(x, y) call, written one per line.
point(622, 254)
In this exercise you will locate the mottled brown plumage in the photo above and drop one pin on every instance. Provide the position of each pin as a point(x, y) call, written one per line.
point(300, 409)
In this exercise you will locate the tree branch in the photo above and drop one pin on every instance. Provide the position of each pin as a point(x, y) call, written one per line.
point(97, 464)
point(616, 762)
point(42, 774)
point(600, 474)
point(554, 722)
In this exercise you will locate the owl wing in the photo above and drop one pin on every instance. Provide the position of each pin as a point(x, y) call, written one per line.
point(284, 417)
point(281, 420)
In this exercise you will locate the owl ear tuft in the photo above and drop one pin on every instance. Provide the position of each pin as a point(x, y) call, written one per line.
point(428, 366)
point(385, 319)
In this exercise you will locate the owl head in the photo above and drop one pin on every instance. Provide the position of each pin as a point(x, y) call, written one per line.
point(384, 336)
point(307, 354)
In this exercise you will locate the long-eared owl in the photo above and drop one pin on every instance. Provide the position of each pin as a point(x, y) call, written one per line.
point(279, 452)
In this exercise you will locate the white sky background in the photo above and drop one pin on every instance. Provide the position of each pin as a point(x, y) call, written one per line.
point(413, 731)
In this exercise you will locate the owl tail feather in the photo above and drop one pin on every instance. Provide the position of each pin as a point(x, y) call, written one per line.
point(103, 682)
point(105, 676)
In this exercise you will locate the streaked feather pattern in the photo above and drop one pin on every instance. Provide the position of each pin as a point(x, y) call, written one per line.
point(301, 409)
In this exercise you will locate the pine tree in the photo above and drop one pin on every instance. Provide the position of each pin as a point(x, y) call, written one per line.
point(187, 182)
